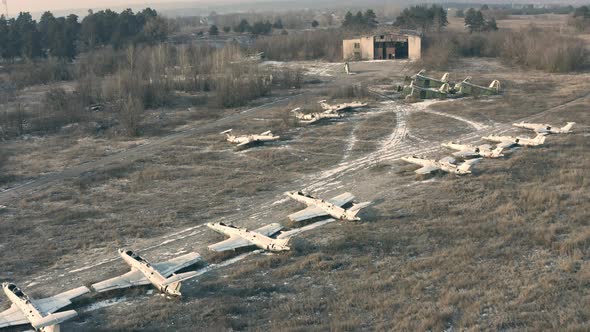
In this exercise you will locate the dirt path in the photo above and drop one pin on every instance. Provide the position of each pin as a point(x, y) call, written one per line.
point(264, 210)
point(30, 186)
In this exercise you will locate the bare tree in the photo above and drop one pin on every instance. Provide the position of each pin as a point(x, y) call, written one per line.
point(131, 114)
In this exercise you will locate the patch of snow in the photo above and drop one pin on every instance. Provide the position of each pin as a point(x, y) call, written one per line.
point(102, 304)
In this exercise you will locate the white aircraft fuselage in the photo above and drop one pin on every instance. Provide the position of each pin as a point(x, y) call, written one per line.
point(441, 164)
point(482, 151)
point(159, 281)
point(22, 301)
point(524, 141)
point(313, 117)
point(341, 107)
point(40, 322)
point(333, 210)
point(251, 138)
point(545, 128)
point(260, 240)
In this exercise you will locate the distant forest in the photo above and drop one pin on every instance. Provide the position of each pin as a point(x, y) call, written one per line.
point(65, 37)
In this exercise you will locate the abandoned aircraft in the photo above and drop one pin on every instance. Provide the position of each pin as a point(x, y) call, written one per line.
point(545, 129)
point(472, 151)
point(509, 141)
point(414, 92)
point(242, 237)
point(466, 88)
point(161, 275)
point(314, 117)
point(317, 207)
point(41, 313)
point(243, 140)
point(424, 81)
point(446, 165)
point(328, 108)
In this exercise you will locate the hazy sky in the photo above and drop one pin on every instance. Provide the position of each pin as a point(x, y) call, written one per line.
point(15, 6)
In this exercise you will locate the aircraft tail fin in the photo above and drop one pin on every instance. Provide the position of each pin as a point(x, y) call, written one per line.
point(497, 152)
point(468, 164)
point(567, 127)
point(444, 88)
point(356, 208)
point(51, 328)
point(540, 139)
point(445, 77)
point(179, 277)
point(495, 85)
point(280, 244)
point(174, 288)
point(297, 112)
point(50, 323)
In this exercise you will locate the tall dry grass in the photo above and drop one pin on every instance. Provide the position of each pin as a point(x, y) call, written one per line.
point(306, 45)
point(530, 48)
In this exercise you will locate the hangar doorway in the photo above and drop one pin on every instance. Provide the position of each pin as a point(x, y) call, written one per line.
point(390, 50)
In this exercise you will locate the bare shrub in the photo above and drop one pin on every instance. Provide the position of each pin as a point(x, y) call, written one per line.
point(350, 91)
point(438, 53)
point(288, 78)
point(531, 48)
point(100, 62)
point(131, 114)
point(234, 91)
point(60, 108)
point(88, 89)
point(545, 50)
point(234, 80)
point(40, 72)
point(14, 121)
point(307, 45)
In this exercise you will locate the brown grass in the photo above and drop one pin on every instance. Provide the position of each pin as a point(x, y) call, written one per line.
point(531, 48)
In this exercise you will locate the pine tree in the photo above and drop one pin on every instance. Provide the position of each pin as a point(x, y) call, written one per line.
point(370, 18)
point(213, 30)
point(474, 21)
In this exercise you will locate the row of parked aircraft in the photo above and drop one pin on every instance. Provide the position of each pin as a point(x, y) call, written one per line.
point(167, 276)
point(472, 154)
point(423, 87)
point(329, 112)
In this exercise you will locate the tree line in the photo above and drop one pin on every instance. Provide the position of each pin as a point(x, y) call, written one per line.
point(65, 37)
point(423, 17)
point(360, 21)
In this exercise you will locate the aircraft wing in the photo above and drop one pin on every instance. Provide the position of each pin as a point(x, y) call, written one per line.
point(178, 263)
point(12, 316)
point(245, 142)
point(232, 243)
point(54, 303)
point(342, 199)
point(426, 170)
point(129, 279)
point(270, 229)
point(308, 213)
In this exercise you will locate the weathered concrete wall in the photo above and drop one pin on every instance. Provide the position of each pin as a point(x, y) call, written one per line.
point(368, 48)
point(363, 51)
point(414, 47)
point(348, 49)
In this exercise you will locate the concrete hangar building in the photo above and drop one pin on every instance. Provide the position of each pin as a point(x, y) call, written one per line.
point(388, 46)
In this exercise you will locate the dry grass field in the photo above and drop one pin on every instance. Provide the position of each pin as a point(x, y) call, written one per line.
point(506, 248)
